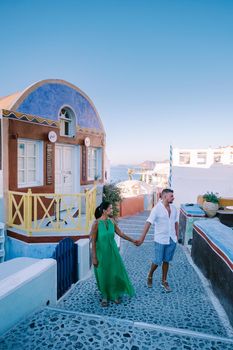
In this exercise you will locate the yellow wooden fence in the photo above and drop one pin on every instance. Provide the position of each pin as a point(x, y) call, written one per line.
point(51, 212)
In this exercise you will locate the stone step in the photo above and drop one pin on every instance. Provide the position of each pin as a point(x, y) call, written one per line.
point(135, 222)
point(132, 223)
point(135, 231)
point(68, 329)
point(130, 227)
point(126, 228)
point(135, 218)
point(123, 224)
point(138, 216)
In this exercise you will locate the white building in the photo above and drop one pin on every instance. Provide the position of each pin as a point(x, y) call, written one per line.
point(196, 171)
point(202, 158)
point(158, 177)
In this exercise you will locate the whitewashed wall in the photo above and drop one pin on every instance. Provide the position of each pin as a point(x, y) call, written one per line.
point(26, 284)
point(188, 183)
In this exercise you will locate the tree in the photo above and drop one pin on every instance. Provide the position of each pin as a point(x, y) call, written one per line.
point(112, 194)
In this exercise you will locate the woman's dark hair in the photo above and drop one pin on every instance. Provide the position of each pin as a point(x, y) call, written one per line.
point(99, 210)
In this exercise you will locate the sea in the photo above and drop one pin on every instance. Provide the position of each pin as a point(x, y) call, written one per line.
point(119, 173)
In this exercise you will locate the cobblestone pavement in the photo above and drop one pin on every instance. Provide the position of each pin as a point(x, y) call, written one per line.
point(183, 319)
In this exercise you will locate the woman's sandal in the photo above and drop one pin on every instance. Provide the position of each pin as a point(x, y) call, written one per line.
point(117, 301)
point(149, 281)
point(104, 303)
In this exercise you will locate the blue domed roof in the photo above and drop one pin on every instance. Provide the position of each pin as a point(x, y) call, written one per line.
point(47, 97)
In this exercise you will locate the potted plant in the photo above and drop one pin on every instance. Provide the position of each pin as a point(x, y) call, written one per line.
point(210, 204)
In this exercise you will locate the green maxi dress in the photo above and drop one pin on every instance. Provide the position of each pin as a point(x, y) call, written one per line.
point(111, 276)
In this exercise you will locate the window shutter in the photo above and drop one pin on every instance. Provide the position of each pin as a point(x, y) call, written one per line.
point(49, 164)
point(84, 163)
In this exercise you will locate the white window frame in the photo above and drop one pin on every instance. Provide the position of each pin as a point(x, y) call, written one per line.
point(94, 164)
point(201, 158)
point(184, 158)
point(38, 164)
point(70, 118)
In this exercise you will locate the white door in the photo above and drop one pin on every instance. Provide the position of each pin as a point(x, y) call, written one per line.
point(64, 169)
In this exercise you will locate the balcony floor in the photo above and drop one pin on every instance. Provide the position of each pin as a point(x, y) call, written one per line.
point(52, 231)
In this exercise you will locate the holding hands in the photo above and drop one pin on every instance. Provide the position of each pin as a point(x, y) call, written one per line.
point(134, 241)
point(138, 242)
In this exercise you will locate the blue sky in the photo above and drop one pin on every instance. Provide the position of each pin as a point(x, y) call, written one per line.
point(158, 72)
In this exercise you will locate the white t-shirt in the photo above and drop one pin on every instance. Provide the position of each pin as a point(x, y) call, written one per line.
point(164, 225)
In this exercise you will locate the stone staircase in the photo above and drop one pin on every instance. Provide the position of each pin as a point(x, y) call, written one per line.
point(134, 225)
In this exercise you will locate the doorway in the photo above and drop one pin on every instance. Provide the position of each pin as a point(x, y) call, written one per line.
point(64, 169)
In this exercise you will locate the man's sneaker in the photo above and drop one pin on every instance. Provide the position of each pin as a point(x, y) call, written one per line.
point(166, 287)
point(149, 282)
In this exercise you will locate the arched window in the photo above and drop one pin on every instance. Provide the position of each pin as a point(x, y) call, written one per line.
point(67, 122)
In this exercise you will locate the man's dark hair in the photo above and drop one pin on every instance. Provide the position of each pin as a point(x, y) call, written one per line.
point(166, 190)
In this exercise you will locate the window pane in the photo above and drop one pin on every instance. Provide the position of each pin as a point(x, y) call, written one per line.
point(31, 163)
point(92, 163)
point(66, 128)
point(29, 166)
point(21, 176)
point(201, 158)
point(31, 149)
point(67, 122)
point(31, 176)
point(21, 149)
point(21, 163)
point(184, 158)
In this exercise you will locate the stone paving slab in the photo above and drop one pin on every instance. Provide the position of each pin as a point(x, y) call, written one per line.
point(187, 307)
point(56, 329)
point(146, 338)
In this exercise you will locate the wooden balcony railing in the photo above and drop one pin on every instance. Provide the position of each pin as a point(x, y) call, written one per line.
point(51, 212)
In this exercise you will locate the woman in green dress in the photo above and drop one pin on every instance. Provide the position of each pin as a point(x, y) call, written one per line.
point(111, 276)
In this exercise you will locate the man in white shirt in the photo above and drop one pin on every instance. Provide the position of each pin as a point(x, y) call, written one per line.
point(164, 216)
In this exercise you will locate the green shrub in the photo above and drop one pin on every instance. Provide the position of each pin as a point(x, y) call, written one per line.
point(112, 194)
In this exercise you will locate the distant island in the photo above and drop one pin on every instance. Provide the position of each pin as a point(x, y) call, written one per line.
point(120, 172)
point(146, 165)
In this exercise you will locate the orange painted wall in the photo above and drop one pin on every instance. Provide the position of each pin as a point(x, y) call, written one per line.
point(132, 205)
